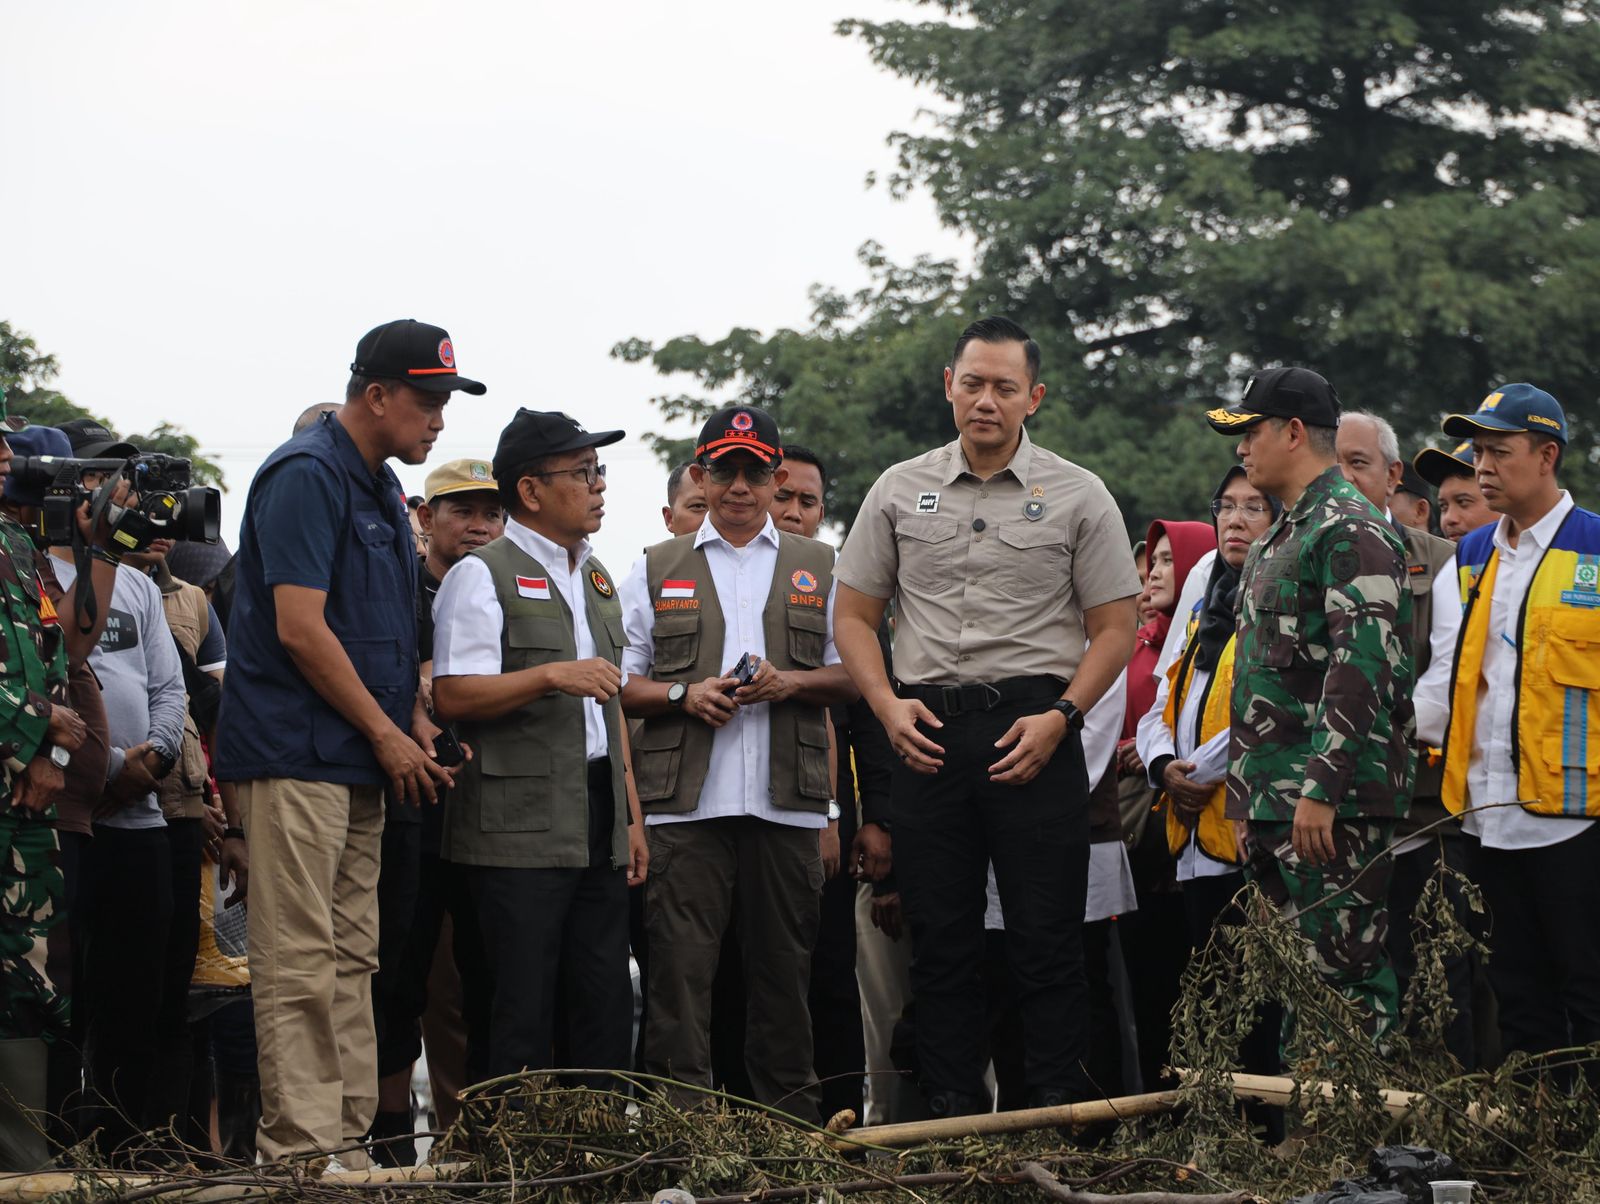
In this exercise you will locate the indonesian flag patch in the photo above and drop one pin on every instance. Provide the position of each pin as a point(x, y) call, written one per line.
point(534, 587)
point(677, 589)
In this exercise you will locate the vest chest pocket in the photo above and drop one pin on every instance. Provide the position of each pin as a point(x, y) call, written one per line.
point(927, 548)
point(533, 640)
point(619, 639)
point(677, 644)
point(1572, 649)
point(657, 753)
point(1036, 560)
point(808, 636)
point(514, 787)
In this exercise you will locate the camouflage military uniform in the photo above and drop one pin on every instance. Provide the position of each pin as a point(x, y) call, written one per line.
point(33, 675)
point(1321, 710)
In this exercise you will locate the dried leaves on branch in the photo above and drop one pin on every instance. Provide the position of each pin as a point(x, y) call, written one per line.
point(1528, 1132)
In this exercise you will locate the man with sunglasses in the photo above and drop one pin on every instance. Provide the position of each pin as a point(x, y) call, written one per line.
point(733, 770)
point(527, 646)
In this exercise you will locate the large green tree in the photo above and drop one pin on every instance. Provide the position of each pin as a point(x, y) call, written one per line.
point(1168, 193)
point(26, 376)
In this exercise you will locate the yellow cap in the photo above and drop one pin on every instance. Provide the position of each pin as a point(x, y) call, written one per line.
point(459, 476)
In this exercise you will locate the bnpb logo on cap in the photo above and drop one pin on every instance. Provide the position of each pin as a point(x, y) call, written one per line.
point(447, 353)
point(742, 421)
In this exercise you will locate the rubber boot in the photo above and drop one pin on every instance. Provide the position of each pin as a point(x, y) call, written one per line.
point(23, 1063)
point(392, 1140)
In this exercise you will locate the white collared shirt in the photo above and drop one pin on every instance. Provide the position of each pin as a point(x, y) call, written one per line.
point(739, 778)
point(467, 619)
point(1492, 773)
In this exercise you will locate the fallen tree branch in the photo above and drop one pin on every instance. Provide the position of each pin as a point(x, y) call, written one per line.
point(1032, 1172)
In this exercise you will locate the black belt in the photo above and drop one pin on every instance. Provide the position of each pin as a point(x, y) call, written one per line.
point(985, 696)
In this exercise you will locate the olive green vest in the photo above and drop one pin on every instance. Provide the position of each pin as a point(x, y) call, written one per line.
point(183, 792)
point(522, 800)
point(1425, 555)
point(673, 751)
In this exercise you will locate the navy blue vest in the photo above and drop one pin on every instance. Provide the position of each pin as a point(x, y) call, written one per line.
point(273, 724)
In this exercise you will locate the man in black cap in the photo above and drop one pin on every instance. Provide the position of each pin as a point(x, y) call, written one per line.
point(1455, 474)
point(1320, 758)
point(1411, 501)
point(320, 712)
point(527, 649)
point(733, 769)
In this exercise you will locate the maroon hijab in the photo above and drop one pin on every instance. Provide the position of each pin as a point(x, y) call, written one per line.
point(1190, 541)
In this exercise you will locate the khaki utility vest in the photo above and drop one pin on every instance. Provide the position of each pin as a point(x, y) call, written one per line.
point(184, 791)
point(673, 750)
point(522, 800)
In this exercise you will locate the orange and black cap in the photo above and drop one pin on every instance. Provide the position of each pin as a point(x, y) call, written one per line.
point(740, 428)
point(421, 355)
point(1280, 393)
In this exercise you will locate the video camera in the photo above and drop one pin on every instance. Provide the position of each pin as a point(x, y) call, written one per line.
point(164, 502)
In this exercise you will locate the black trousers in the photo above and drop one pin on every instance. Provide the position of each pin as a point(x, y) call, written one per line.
point(1411, 873)
point(544, 928)
point(442, 890)
point(126, 898)
point(1544, 954)
point(948, 828)
point(399, 884)
point(839, 1049)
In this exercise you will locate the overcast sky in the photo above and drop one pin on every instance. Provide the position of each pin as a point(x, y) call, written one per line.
point(207, 203)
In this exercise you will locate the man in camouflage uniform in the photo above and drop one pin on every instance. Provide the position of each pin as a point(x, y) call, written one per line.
point(1320, 763)
point(33, 725)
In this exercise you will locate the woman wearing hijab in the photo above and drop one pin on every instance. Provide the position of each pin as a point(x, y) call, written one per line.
point(1183, 736)
point(1154, 945)
point(1183, 741)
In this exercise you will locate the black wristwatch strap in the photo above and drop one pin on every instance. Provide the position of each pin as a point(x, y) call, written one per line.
point(233, 833)
point(1070, 712)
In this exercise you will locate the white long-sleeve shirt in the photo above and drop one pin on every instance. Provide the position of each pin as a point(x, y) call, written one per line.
point(739, 777)
point(1492, 772)
point(1154, 738)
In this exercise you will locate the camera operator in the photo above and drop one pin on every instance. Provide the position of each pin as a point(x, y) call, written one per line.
point(36, 731)
point(138, 952)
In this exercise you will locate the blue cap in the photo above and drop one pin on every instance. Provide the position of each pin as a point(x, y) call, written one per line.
point(1512, 408)
point(1436, 465)
point(33, 441)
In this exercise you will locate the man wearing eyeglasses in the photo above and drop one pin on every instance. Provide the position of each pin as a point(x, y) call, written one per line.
point(527, 649)
point(733, 770)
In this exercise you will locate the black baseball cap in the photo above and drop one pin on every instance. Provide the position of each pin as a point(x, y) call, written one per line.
point(421, 355)
point(740, 428)
point(534, 433)
point(1519, 407)
point(91, 441)
point(1280, 393)
point(1411, 482)
point(1437, 466)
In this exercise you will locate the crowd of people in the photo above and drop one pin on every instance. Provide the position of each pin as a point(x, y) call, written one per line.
point(926, 826)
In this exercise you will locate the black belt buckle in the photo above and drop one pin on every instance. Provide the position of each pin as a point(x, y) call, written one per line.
point(980, 696)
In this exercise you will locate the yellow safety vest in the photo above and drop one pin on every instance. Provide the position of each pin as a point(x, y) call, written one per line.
point(1212, 827)
point(1557, 678)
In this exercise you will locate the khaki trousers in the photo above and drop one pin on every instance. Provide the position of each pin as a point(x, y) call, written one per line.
point(313, 951)
point(883, 971)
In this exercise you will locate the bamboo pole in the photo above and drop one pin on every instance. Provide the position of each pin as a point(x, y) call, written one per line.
point(1277, 1089)
point(246, 1183)
point(1090, 1112)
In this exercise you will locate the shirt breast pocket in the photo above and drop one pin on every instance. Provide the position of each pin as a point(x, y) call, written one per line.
point(927, 547)
point(1037, 560)
point(1277, 618)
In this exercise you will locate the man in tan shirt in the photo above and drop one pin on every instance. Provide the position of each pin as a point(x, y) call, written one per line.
point(1014, 595)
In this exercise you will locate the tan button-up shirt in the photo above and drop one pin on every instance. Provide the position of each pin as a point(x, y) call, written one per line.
point(990, 578)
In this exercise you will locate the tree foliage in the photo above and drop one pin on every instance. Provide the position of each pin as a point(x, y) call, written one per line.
point(26, 374)
point(1170, 193)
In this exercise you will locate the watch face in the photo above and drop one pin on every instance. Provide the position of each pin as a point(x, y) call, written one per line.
point(60, 757)
point(676, 692)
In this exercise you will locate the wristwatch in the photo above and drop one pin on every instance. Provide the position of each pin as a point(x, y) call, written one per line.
point(833, 811)
point(676, 693)
point(164, 765)
point(60, 757)
point(1070, 712)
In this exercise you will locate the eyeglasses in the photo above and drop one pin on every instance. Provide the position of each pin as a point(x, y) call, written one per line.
point(723, 473)
point(1223, 509)
point(589, 472)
